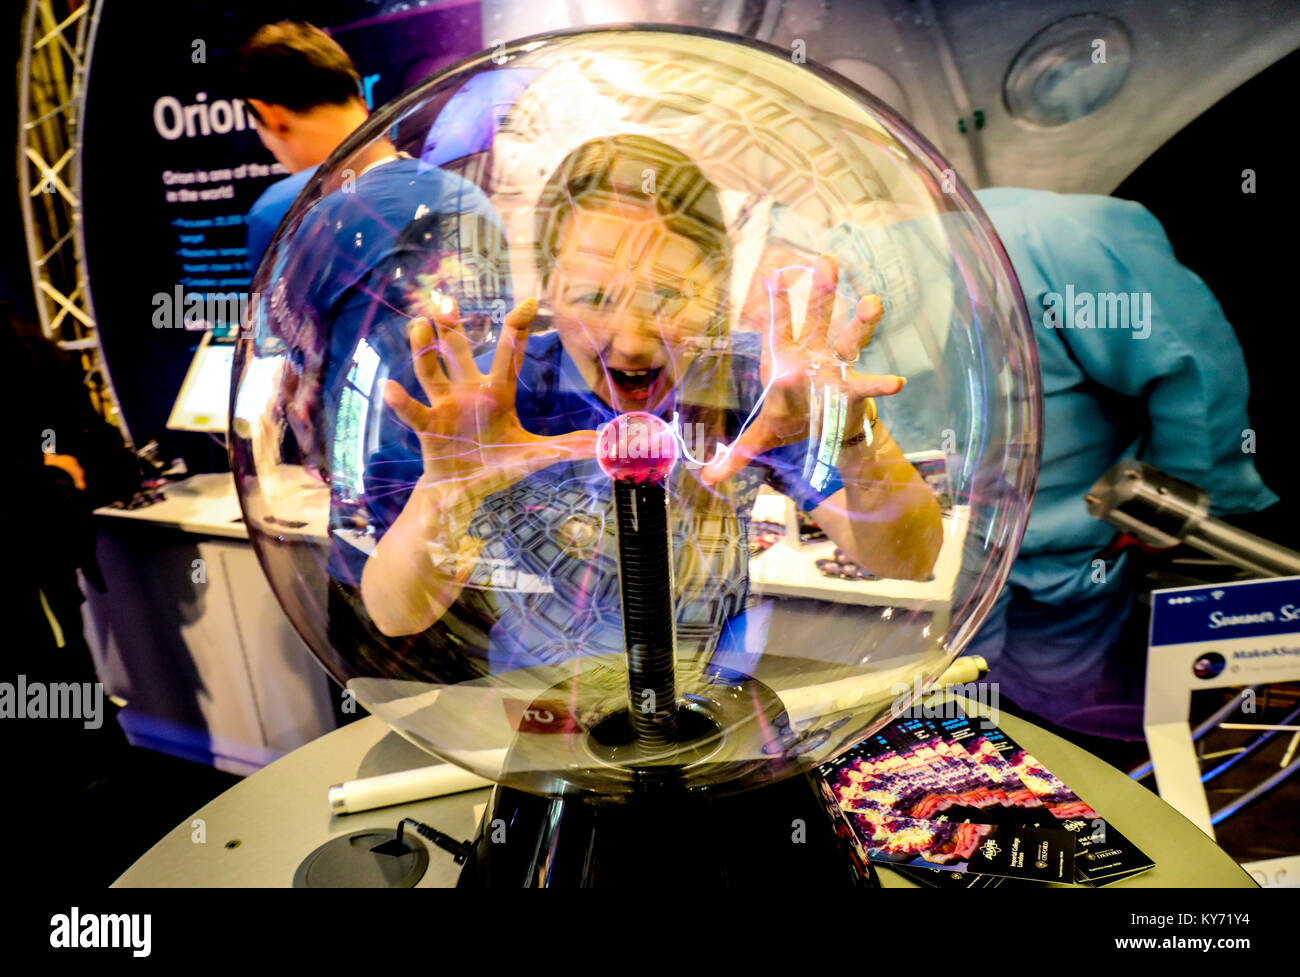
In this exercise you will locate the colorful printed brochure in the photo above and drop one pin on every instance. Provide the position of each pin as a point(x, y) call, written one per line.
point(951, 803)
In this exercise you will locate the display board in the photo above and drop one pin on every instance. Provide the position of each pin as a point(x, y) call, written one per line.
point(202, 404)
point(1211, 636)
point(172, 164)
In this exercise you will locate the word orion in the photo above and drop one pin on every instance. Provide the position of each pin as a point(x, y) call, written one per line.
point(1098, 310)
point(172, 120)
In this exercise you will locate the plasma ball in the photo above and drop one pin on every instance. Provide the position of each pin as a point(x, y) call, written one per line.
point(637, 447)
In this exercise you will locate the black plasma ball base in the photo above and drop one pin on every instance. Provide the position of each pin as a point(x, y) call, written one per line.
point(764, 839)
point(729, 804)
point(660, 833)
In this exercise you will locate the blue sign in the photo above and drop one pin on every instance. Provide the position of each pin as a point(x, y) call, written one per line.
point(1224, 612)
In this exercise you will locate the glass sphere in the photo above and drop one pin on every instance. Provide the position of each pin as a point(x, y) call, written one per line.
point(570, 422)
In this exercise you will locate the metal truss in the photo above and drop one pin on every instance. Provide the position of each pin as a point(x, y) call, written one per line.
point(57, 39)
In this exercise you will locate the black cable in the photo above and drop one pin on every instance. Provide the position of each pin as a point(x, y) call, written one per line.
point(459, 850)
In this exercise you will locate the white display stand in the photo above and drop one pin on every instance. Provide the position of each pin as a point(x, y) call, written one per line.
point(205, 505)
point(789, 569)
point(191, 636)
point(1232, 634)
point(212, 670)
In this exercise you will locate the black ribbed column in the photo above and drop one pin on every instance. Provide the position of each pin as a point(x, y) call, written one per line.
point(638, 451)
point(645, 574)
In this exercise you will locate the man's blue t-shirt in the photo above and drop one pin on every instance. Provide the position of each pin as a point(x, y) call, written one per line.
point(357, 266)
point(267, 212)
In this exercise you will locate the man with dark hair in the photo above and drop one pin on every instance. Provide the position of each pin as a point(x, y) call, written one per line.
point(304, 95)
point(379, 238)
point(297, 66)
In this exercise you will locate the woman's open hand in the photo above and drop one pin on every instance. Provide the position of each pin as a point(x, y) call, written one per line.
point(791, 367)
point(471, 439)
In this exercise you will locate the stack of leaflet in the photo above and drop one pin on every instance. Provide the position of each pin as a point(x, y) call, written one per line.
point(956, 802)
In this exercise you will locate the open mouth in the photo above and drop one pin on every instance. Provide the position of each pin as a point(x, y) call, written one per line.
point(634, 384)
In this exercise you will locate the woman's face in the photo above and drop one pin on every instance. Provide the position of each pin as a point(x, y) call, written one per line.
point(633, 300)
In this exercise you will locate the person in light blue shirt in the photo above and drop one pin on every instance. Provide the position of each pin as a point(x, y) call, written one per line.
point(1163, 380)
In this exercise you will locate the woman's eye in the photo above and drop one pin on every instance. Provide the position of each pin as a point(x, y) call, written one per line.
point(593, 299)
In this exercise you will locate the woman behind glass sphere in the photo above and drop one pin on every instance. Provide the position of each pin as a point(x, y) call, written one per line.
point(635, 261)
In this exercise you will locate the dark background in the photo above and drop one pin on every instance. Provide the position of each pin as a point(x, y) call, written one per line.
point(1242, 246)
point(15, 280)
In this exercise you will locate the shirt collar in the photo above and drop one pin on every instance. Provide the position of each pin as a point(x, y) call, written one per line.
point(571, 383)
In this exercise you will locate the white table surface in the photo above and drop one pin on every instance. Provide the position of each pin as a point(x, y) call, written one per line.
point(280, 815)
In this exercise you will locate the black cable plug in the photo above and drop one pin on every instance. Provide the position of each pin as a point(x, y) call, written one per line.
point(459, 850)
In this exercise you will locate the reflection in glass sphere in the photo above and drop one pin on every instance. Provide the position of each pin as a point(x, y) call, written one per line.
point(650, 251)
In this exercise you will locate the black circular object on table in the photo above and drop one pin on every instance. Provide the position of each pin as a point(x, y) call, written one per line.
point(350, 862)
